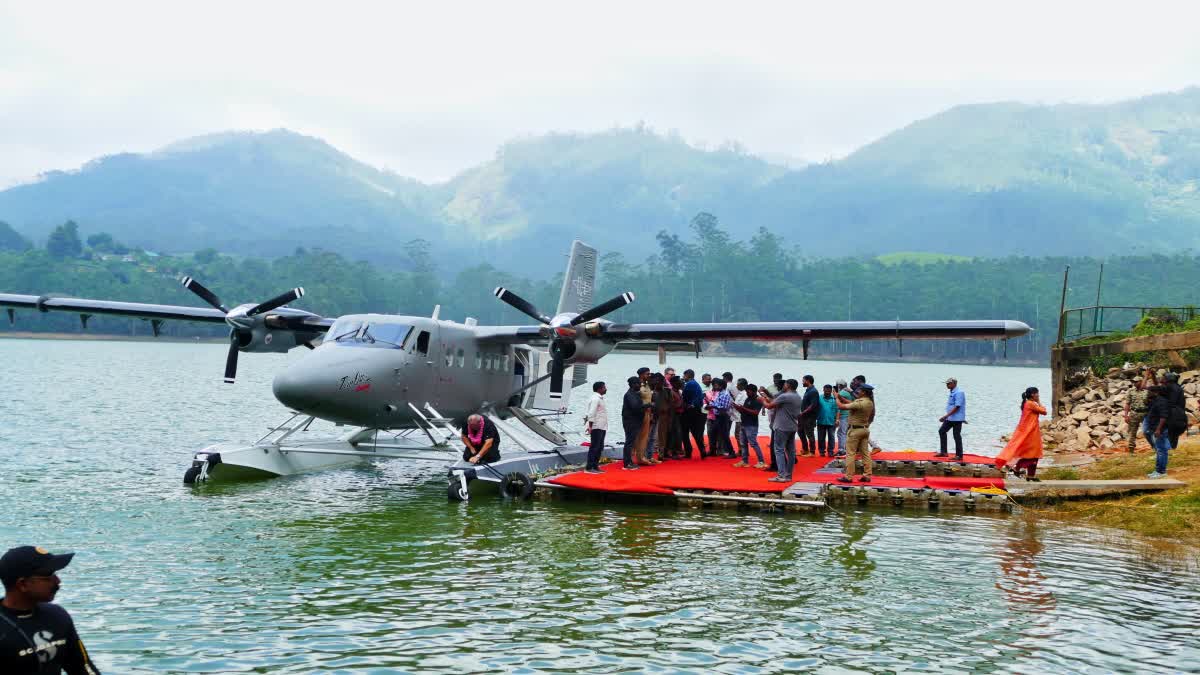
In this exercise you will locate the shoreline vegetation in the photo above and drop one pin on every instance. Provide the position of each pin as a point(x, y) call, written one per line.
point(684, 281)
point(1172, 515)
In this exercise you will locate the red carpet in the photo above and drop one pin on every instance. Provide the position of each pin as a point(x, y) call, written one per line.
point(719, 475)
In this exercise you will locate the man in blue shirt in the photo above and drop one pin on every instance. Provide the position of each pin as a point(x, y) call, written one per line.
point(956, 414)
point(693, 415)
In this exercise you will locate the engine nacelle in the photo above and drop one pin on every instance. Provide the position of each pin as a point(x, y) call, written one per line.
point(582, 349)
point(261, 339)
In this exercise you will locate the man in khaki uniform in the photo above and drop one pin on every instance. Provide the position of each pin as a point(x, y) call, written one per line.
point(1136, 404)
point(858, 441)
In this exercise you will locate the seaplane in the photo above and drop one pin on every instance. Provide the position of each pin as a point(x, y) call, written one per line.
point(404, 385)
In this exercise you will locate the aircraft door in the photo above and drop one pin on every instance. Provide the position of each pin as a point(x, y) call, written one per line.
point(419, 377)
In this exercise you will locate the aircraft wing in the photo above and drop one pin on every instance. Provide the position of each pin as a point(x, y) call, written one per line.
point(294, 319)
point(815, 330)
point(629, 335)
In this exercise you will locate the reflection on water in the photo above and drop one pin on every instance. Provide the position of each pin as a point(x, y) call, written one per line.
point(370, 569)
point(855, 526)
point(1020, 579)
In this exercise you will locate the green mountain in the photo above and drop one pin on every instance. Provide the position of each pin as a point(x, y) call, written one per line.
point(994, 179)
point(260, 193)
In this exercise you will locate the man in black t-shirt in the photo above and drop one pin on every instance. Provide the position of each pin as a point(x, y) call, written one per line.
point(37, 636)
point(481, 440)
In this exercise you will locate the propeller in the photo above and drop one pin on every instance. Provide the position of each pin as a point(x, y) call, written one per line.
point(239, 334)
point(603, 308)
point(562, 333)
point(520, 304)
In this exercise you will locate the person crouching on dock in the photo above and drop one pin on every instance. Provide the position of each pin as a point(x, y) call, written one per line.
point(862, 410)
point(1026, 443)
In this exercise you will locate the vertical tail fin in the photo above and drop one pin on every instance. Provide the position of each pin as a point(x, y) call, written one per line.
point(579, 281)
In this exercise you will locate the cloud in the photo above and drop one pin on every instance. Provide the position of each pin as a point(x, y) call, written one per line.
point(429, 90)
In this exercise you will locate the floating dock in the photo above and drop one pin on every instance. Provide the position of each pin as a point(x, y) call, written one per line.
point(903, 479)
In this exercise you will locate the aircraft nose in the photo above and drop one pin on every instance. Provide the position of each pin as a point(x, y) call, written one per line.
point(297, 390)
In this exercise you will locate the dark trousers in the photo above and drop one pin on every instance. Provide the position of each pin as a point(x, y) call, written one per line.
point(693, 427)
point(1029, 465)
point(774, 465)
point(724, 431)
point(715, 446)
point(678, 435)
point(807, 432)
point(597, 447)
point(632, 429)
point(957, 428)
point(825, 438)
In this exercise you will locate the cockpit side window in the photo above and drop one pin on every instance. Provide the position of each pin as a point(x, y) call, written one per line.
point(423, 342)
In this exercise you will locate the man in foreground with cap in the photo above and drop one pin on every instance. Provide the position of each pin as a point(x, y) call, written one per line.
point(37, 636)
point(956, 414)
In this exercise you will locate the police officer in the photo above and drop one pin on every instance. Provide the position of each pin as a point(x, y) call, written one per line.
point(36, 635)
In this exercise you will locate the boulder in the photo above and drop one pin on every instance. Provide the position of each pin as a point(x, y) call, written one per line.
point(1083, 436)
point(1080, 415)
point(1106, 444)
point(1191, 388)
point(1188, 376)
point(1097, 419)
point(1122, 428)
point(1097, 433)
point(1091, 395)
point(1078, 394)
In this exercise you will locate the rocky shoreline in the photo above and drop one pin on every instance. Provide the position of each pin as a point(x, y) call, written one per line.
point(1091, 414)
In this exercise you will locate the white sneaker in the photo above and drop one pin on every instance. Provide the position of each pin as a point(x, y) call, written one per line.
point(1155, 474)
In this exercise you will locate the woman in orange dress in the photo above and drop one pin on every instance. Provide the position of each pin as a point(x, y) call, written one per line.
point(1026, 444)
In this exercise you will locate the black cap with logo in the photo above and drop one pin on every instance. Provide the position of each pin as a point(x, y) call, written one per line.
point(31, 561)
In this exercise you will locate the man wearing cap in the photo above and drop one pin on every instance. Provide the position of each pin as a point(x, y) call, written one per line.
point(862, 412)
point(37, 636)
point(956, 414)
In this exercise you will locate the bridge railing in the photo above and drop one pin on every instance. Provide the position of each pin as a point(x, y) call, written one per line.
point(1079, 323)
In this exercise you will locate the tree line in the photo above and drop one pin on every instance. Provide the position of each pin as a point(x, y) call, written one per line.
point(713, 273)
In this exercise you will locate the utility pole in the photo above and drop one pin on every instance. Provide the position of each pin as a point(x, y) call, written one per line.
point(1062, 305)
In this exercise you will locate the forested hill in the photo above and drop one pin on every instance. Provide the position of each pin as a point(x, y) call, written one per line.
point(694, 277)
point(994, 179)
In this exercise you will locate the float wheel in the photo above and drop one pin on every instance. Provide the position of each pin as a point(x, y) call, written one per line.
point(516, 485)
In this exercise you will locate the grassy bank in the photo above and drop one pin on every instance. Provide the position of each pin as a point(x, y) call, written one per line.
point(1173, 514)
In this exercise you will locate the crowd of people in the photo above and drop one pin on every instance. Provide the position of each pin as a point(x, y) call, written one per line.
point(666, 416)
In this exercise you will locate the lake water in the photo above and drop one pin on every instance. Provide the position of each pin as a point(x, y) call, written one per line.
point(369, 569)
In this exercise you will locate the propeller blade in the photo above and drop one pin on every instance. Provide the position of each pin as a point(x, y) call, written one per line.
point(603, 308)
point(231, 363)
point(277, 301)
point(556, 378)
point(520, 304)
point(205, 294)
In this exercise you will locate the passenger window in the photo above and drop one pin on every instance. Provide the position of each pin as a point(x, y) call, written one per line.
point(449, 357)
point(506, 362)
point(478, 360)
point(423, 342)
point(462, 358)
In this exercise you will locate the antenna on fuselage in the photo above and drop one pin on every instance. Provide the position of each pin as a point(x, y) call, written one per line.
point(437, 309)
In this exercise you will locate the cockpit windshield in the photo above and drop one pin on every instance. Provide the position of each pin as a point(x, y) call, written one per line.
point(357, 333)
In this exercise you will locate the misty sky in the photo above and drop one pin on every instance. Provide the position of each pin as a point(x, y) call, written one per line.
point(429, 89)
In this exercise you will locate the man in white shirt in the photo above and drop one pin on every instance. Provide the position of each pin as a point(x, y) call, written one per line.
point(596, 424)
